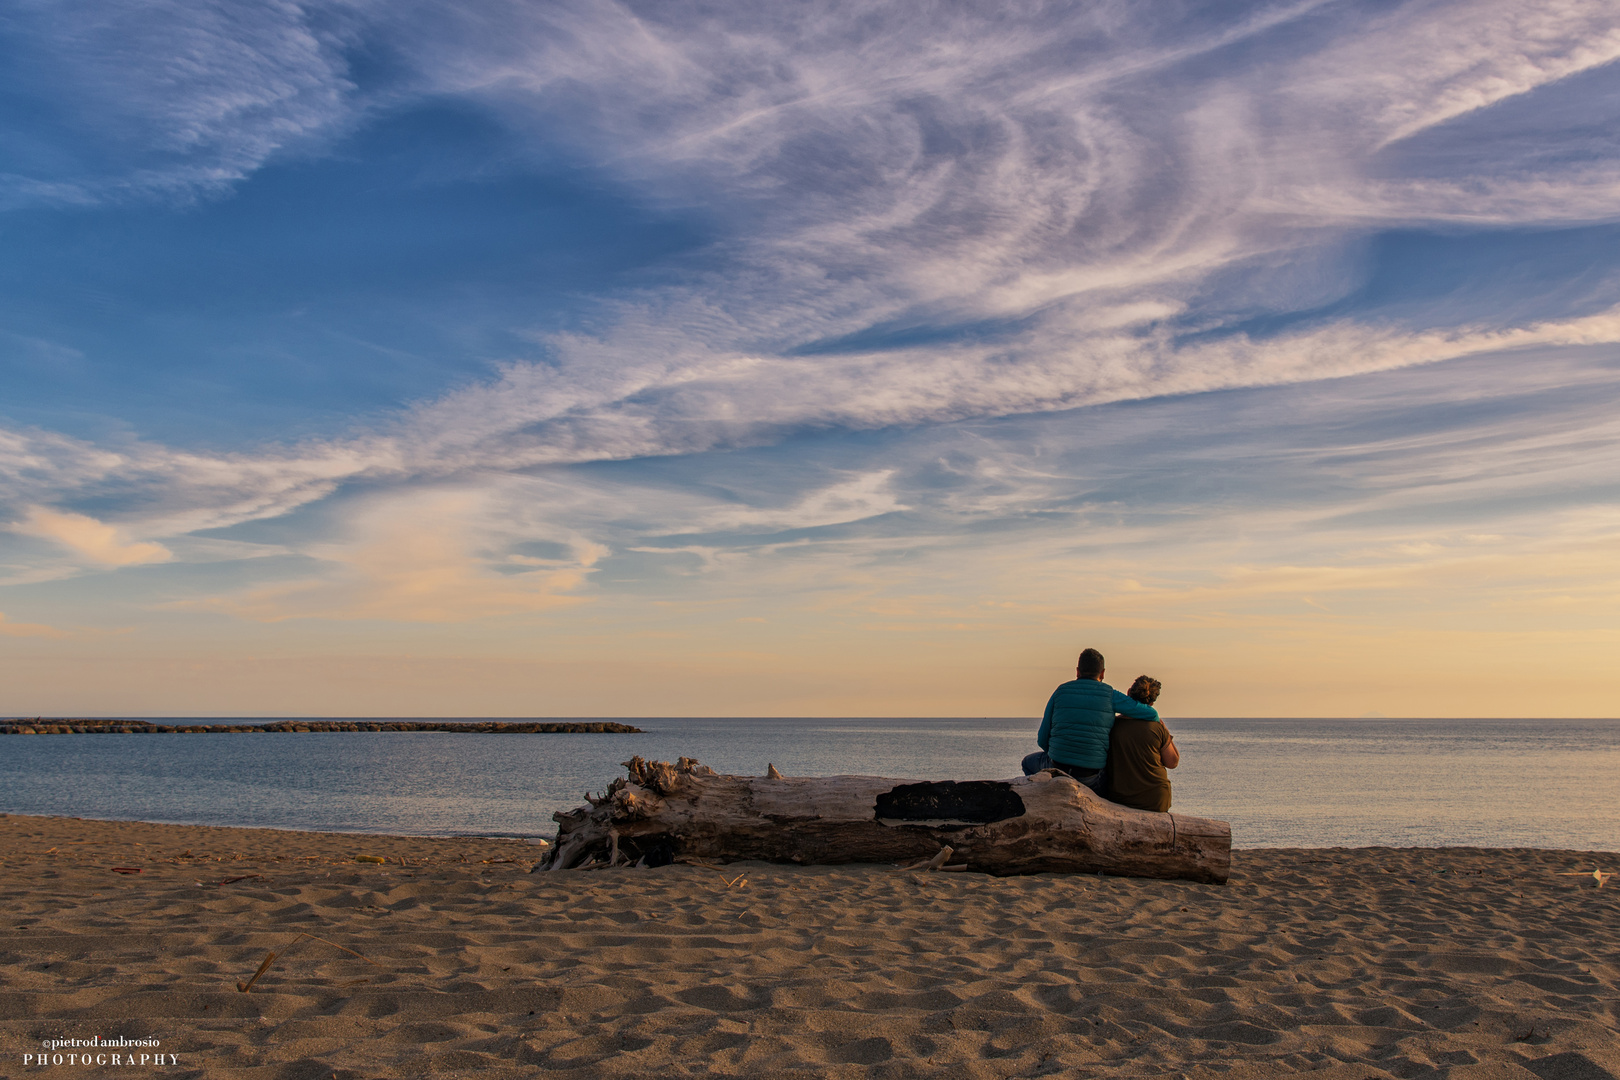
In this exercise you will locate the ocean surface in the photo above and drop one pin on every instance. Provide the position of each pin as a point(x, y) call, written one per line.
point(1281, 783)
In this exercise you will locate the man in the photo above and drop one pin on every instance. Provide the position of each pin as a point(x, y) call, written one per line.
point(1079, 717)
point(1139, 753)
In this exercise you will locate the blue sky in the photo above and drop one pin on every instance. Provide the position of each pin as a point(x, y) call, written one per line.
point(835, 358)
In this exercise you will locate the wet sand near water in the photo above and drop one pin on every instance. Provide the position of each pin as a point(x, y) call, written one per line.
point(1352, 963)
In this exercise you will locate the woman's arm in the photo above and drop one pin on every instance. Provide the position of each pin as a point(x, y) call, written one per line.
point(1125, 706)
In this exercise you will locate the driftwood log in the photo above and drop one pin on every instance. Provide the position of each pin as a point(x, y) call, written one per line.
point(1047, 822)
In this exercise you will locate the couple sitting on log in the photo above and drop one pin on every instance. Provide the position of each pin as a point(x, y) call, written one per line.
point(1113, 743)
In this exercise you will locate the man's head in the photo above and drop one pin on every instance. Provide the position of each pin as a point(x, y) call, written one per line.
point(1145, 689)
point(1091, 665)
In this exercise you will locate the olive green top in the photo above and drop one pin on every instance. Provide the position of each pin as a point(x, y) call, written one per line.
point(1138, 776)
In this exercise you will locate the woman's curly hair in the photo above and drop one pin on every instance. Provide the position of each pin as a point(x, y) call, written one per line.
point(1145, 689)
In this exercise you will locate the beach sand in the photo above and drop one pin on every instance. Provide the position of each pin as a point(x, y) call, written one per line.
point(1361, 963)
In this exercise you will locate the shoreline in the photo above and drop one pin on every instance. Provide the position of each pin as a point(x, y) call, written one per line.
point(293, 829)
point(550, 836)
point(443, 956)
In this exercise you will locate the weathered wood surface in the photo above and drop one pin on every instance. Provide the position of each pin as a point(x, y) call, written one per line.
point(1046, 822)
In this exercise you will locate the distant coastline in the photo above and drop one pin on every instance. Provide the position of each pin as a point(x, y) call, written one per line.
point(41, 726)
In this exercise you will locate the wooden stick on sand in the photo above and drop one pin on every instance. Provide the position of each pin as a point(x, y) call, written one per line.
point(1600, 876)
point(938, 861)
point(271, 958)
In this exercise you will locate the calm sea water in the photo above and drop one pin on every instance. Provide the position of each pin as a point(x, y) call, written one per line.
point(1295, 783)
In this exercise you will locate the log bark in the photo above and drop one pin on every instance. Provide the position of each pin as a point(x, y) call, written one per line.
point(1043, 823)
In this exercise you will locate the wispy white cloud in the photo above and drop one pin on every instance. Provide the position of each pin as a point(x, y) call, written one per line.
point(431, 555)
point(534, 418)
point(17, 629)
point(100, 543)
point(929, 215)
point(856, 499)
point(1422, 65)
point(177, 96)
point(1076, 179)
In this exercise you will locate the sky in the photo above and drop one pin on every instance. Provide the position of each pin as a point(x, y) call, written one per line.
point(584, 358)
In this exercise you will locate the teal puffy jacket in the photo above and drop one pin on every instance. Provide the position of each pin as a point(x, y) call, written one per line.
point(1079, 717)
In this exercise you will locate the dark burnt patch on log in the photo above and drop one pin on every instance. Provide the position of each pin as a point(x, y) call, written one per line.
point(658, 850)
point(945, 803)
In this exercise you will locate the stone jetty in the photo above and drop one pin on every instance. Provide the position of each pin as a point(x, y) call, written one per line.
point(41, 726)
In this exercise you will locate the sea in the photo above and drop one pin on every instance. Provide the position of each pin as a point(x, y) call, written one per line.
point(1281, 783)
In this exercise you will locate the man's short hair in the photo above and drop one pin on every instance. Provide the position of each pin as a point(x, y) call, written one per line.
point(1091, 664)
point(1145, 689)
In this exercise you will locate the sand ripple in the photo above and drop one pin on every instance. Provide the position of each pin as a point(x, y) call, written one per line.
point(1477, 965)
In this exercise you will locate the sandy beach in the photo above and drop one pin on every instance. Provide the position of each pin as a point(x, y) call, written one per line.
point(1355, 963)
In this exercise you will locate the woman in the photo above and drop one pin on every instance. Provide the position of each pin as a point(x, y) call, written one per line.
point(1139, 754)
